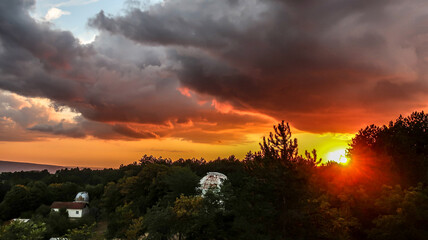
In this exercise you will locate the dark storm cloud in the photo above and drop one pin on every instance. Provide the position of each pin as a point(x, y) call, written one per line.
point(59, 129)
point(295, 60)
point(162, 72)
point(23, 119)
point(126, 92)
point(129, 132)
point(53, 48)
point(83, 128)
point(31, 54)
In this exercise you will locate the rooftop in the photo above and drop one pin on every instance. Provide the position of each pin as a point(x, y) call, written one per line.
point(69, 205)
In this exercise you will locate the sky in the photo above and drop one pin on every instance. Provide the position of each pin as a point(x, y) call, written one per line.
point(102, 82)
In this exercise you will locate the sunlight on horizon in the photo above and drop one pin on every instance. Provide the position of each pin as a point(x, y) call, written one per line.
point(338, 156)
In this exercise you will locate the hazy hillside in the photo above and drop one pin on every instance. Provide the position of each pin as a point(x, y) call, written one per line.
point(7, 166)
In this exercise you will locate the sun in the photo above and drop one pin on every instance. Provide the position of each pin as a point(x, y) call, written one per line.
point(338, 156)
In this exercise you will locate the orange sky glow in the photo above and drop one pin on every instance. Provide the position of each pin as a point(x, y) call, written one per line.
point(112, 153)
point(100, 153)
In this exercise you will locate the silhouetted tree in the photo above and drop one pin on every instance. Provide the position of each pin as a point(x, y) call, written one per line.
point(401, 147)
point(279, 145)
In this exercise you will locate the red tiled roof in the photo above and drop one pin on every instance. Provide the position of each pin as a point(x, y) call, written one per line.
point(69, 205)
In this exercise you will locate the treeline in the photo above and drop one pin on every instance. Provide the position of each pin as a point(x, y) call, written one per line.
point(275, 193)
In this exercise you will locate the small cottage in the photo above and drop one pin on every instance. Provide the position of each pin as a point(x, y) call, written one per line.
point(76, 209)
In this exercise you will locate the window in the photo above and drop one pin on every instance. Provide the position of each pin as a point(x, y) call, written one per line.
point(77, 212)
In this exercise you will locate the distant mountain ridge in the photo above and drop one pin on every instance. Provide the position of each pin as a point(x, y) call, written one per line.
point(8, 166)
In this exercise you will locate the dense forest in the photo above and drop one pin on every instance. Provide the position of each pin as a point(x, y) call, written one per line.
point(275, 193)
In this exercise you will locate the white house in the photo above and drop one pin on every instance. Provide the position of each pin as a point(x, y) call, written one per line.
point(74, 209)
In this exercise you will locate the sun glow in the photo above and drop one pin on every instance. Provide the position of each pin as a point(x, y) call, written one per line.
point(338, 156)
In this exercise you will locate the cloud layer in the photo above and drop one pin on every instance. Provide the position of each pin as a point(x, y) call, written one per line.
point(212, 71)
point(317, 64)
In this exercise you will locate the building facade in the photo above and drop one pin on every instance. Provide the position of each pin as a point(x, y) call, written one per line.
point(74, 209)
